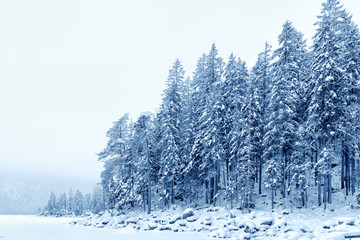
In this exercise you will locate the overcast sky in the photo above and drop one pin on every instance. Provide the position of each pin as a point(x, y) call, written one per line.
point(69, 68)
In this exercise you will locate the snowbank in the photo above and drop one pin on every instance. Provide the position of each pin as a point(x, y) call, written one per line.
point(222, 223)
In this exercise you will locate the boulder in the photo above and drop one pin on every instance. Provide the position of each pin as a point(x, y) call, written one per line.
point(267, 222)
point(188, 213)
point(152, 225)
point(192, 219)
point(174, 219)
point(132, 220)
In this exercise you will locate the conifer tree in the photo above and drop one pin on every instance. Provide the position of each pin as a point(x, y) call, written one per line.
point(170, 119)
point(258, 103)
point(113, 157)
point(327, 109)
point(283, 123)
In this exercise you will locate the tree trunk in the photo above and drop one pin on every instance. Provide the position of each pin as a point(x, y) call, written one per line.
point(260, 173)
point(288, 173)
point(316, 173)
point(342, 165)
point(325, 188)
point(347, 177)
point(172, 191)
point(353, 174)
point(215, 190)
point(329, 188)
point(207, 192)
point(149, 178)
point(283, 189)
point(306, 198)
point(144, 201)
point(319, 189)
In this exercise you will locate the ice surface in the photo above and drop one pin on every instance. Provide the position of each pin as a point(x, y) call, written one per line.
point(48, 228)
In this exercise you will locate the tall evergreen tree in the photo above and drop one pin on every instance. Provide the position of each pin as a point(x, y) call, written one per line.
point(78, 203)
point(238, 168)
point(234, 96)
point(170, 119)
point(194, 177)
point(258, 103)
point(283, 123)
point(52, 207)
point(144, 146)
point(327, 109)
point(62, 204)
point(211, 122)
point(187, 136)
point(113, 157)
point(70, 202)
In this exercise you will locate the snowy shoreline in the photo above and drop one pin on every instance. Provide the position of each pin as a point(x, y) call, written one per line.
point(30, 227)
point(219, 222)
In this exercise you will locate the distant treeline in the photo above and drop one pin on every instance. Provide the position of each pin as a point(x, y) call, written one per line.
point(75, 204)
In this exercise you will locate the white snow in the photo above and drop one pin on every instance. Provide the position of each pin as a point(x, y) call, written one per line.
point(19, 227)
point(314, 223)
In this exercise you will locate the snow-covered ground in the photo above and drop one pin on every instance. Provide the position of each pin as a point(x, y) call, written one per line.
point(18, 227)
point(221, 223)
point(197, 224)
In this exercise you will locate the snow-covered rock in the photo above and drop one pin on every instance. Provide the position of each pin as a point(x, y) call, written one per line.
point(191, 219)
point(188, 213)
point(152, 225)
point(164, 228)
point(235, 224)
point(174, 219)
point(268, 222)
point(132, 220)
point(220, 233)
point(232, 214)
point(213, 209)
point(329, 224)
point(347, 220)
point(182, 223)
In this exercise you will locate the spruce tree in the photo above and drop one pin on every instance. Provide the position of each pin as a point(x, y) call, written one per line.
point(170, 143)
point(258, 104)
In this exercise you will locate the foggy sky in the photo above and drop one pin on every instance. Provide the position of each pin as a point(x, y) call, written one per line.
point(69, 68)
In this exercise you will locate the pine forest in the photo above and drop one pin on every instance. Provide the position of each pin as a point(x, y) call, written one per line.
point(284, 132)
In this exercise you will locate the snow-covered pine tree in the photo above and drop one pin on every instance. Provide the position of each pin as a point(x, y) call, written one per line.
point(187, 137)
point(327, 110)
point(353, 102)
point(144, 147)
point(282, 121)
point(125, 191)
point(170, 144)
point(258, 103)
point(239, 170)
point(193, 176)
point(87, 202)
point(78, 203)
point(113, 157)
point(97, 201)
point(211, 122)
point(61, 203)
point(51, 207)
point(234, 90)
point(70, 202)
point(350, 40)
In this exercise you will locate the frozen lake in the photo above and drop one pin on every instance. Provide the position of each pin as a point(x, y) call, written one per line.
point(19, 227)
